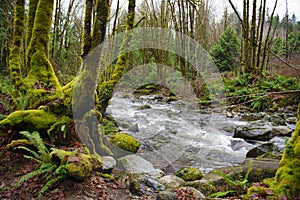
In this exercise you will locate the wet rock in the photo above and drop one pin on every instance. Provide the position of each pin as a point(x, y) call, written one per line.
point(291, 120)
point(189, 173)
point(171, 181)
point(144, 107)
point(134, 128)
point(109, 163)
point(137, 164)
point(256, 130)
point(237, 144)
point(282, 130)
point(279, 144)
point(260, 150)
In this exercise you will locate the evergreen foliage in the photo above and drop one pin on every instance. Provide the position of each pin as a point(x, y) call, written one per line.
point(225, 53)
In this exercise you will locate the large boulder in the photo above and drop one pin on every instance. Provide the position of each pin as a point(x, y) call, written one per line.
point(136, 164)
point(256, 130)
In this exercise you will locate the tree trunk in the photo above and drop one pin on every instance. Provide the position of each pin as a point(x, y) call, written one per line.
point(105, 90)
point(102, 14)
point(87, 30)
point(41, 80)
point(15, 56)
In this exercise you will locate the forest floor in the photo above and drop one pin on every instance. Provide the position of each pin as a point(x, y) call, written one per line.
point(14, 166)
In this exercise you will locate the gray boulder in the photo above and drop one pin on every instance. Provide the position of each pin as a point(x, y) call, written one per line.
point(282, 130)
point(256, 130)
point(136, 164)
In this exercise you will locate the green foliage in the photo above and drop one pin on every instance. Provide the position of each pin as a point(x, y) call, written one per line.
point(225, 53)
point(51, 170)
point(256, 91)
point(260, 103)
point(16, 100)
point(238, 185)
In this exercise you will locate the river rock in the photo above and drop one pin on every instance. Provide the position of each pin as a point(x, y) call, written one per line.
point(256, 130)
point(282, 130)
point(137, 164)
point(260, 150)
point(146, 186)
point(171, 181)
point(109, 163)
point(291, 120)
point(134, 128)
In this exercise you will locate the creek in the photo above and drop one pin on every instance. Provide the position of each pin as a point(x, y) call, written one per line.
point(177, 134)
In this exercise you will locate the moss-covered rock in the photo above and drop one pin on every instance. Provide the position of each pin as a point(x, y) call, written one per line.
point(189, 174)
point(82, 169)
point(125, 142)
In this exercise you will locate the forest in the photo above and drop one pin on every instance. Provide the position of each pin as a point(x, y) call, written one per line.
point(126, 99)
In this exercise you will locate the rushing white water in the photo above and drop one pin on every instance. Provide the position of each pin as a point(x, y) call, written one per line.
point(176, 134)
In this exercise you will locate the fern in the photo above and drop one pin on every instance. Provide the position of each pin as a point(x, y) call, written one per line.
point(52, 171)
point(37, 141)
point(48, 184)
point(39, 171)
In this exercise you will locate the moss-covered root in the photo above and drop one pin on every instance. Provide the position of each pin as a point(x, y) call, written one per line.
point(29, 119)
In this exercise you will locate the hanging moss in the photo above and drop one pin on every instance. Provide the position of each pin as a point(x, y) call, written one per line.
point(14, 59)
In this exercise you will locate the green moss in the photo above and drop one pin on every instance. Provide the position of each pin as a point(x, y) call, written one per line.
point(41, 79)
point(15, 56)
point(82, 169)
point(287, 179)
point(38, 119)
point(189, 174)
point(125, 142)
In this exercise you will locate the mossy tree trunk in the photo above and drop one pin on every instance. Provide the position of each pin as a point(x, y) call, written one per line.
point(29, 26)
point(287, 180)
point(41, 79)
point(15, 57)
point(105, 89)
